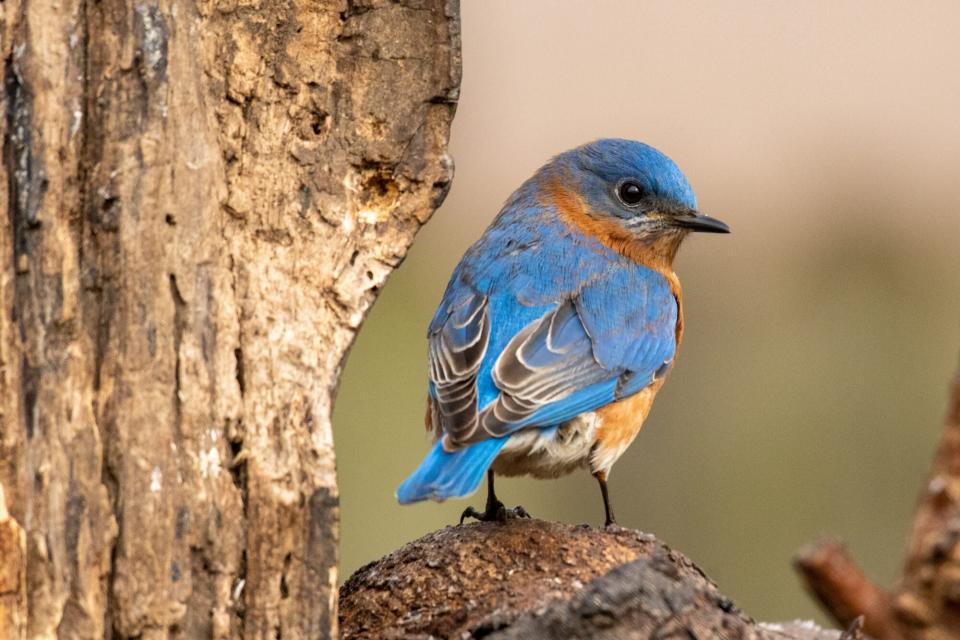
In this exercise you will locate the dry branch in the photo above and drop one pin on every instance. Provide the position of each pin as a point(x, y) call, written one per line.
point(925, 604)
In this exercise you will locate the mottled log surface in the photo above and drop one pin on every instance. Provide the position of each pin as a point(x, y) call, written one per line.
point(13, 574)
point(925, 603)
point(534, 579)
point(199, 201)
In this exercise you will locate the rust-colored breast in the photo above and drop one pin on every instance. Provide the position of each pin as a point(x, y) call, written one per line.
point(620, 421)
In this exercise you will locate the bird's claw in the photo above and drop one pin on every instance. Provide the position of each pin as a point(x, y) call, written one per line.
point(494, 513)
point(470, 512)
point(518, 512)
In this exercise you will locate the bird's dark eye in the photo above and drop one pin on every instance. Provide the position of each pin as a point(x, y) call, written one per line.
point(630, 193)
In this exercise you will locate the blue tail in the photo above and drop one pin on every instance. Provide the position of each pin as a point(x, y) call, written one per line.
point(444, 474)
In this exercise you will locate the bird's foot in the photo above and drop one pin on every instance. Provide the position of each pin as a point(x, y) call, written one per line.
point(494, 513)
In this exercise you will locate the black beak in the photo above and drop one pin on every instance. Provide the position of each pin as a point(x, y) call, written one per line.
point(698, 222)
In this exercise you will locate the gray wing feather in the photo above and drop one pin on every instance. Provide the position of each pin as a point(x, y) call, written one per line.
point(545, 362)
point(455, 354)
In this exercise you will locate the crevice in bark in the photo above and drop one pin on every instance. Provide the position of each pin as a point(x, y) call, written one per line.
point(111, 609)
point(238, 470)
point(284, 587)
point(25, 189)
point(179, 325)
point(353, 9)
point(241, 381)
point(239, 475)
point(237, 466)
point(29, 382)
point(26, 176)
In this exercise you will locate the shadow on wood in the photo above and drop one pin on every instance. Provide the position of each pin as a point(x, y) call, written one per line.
point(535, 579)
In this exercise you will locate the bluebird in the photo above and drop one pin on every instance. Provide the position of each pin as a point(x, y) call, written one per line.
point(558, 326)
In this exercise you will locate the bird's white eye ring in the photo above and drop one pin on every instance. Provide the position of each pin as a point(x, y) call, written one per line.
point(630, 193)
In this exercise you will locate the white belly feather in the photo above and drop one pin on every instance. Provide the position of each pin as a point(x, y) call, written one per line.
point(549, 454)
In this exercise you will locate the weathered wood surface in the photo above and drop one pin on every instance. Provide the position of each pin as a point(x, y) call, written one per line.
point(534, 579)
point(13, 574)
point(200, 201)
point(925, 604)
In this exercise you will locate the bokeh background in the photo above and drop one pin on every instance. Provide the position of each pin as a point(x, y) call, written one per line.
point(820, 335)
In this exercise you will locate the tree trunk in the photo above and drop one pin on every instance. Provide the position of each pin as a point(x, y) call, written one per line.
point(201, 201)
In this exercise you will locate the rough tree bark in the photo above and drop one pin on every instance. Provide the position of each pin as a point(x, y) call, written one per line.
point(925, 604)
point(200, 199)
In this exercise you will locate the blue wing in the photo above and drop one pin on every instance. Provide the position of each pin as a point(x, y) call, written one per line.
point(606, 342)
point(511, 358)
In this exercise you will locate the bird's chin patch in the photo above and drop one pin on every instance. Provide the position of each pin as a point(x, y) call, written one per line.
point(658, 245)
point(652, 231)
point(658, 232)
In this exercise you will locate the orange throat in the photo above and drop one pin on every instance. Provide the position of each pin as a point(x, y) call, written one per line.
point(656, 253)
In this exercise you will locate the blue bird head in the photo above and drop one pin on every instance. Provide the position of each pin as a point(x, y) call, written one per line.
point(634, 186)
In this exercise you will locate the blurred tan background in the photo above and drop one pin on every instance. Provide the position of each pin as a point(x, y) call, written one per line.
point(820, 335)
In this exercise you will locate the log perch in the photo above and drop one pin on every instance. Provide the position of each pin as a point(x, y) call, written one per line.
point(535, 579)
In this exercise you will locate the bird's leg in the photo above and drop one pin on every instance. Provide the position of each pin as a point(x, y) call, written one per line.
point(601, 477)
point(495, 511)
